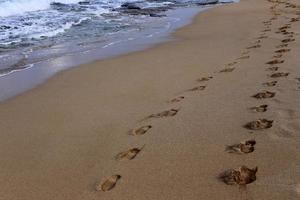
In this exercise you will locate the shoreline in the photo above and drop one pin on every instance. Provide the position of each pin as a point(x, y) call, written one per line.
point(60, 140)
point(41, 71)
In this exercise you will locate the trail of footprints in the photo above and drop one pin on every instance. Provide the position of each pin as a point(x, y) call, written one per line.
point(241, 175)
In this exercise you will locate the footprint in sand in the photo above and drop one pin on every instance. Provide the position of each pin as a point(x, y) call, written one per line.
point(243, 57)
point(176, 99)
point(287, 40)
point(290, 34)
point(260, 108)
point(278, 56)
point(270, 84)
point(254, 46)
point(266, 30)
point(264, 95)
point(279, 74)
point(259, 124)
point(282, 46)
point(282, 50)
point(273, 62)
point(167, 113)
point(227, 70)
point(243, 53)
point(129, 154)
point(273, 68)
point(197, 88)
point(241, 148)
point(241, 176)
point(203, 79)
point(108, 183)
point(262, 37)
point(294, 19)
point(284, 27)
point(141, 130)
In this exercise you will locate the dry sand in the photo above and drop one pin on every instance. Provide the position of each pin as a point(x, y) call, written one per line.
point(59, 140)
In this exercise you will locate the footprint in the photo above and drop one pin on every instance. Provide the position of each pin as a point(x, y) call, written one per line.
point(261, 108)
point(167, 113)
point(291, 34)
point(278, 56)
point(241, 176)
point(279, 74)
point(205, 78)
point(141, 130)
point(227, 70)
point(244, 53)
point(243, 57)
point(270, 84)
point(266, 30)
point(283, 50)
point(262, 37)
point(273, 62)
point(254, 46)
point(259, 124)
point(129, 154)
point(243, 147)
point(176, 99)
point(282, 46)
point(197, 88)
point(284, 27)
point(108, 183)
point(264, 95)
point(273, 68)
point(287, 40)
point(294, 19)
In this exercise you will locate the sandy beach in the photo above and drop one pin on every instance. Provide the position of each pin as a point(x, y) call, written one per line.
point(230, 76)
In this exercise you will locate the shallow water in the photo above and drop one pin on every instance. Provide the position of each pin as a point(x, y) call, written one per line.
point(46, 38)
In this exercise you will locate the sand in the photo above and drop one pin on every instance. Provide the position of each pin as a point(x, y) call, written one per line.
point(59, 141)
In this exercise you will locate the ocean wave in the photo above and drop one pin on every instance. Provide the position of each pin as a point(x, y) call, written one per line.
point(18, 7)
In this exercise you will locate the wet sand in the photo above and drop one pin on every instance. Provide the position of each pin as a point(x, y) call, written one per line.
point(232, 75)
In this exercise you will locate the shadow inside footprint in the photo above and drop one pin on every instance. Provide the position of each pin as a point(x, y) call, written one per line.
point(262, 37)
point(260, 108)
point(243, 57)
point(129, 154)
point(176, 99)
point(259, 124)
point(241, 176)
point(264, 95)
point(294, 19)
point(254, 46)
point(228, 69)
point(273, 62)
point(270, 84)
point(282, 45)
point(204, 79)
point(273, 68)
point(231, 64)
point(167, 113)
point(266, 30)
point(241, 148)
point(141, 130)
point(283, 50)
point(287, 40)
point(197, 88)
point(108, 183)
point(279, 74)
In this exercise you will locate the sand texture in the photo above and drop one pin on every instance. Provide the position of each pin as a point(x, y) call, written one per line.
point(164, 123)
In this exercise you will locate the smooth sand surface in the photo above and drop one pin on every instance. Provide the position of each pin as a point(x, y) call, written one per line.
point(59, 140)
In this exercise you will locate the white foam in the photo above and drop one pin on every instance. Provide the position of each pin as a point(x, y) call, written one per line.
point(17, 7)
